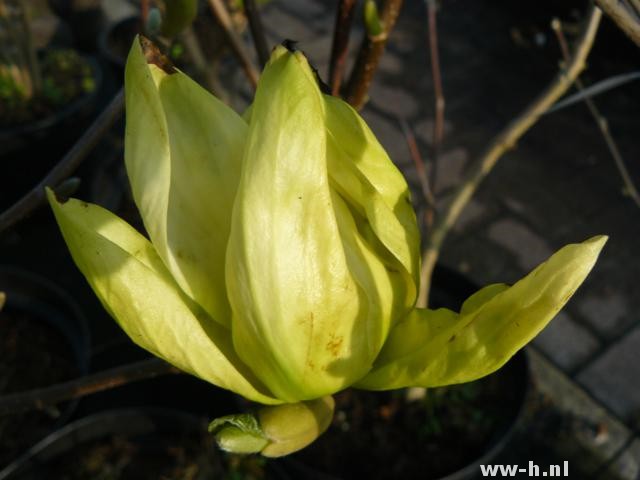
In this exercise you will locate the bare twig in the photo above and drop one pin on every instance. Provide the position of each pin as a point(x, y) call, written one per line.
point(418, 161)
point(257, 31)
point(635, 4)
point(67, 165)
point(601, 121)
point(378, 30)
point(144, 13)
point(503, 142)
point(98, 382)
point(623, 17)
point(344, 20)
point(220, 12)
point(438, 125)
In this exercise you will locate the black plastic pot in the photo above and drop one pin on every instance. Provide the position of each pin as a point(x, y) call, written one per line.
point(153, 432)
point(450, 290)
point(40, 301)
point(28, 151)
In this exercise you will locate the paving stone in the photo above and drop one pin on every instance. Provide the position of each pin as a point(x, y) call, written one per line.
point(393, 100)
point(606, 310)
point(613, 377)
point(596, 432)
point(529, 248)
point(424, 130)
point(473, 214)
point(566, 343)
point(450, 168)
point(626, 466)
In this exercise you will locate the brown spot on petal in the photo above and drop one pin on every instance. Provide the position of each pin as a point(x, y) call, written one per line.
point(334, 344)
point(154, 56)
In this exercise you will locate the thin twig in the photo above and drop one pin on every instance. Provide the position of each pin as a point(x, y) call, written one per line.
point(635, 4)
point(339, 49)
point(370, 53)
point(438, 125)
point(503, 142)
point(418, 161)
point(623, 17)
point(220, 12)
point(98, 382)
point(144, 13)
point(257, 31)
point(601, 121)
point(67, 165)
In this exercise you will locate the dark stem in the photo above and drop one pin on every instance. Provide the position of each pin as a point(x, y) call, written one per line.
point(438, 93)
point(98, 382)
point(69, 163)
point(369, 55)
point(418, 161)
point(221, 14)
point(257, 31)
point(339, 49)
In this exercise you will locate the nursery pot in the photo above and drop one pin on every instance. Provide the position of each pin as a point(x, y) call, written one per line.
point(140, 444)
point(44, 339)
point(444, 433)
point(28, 151)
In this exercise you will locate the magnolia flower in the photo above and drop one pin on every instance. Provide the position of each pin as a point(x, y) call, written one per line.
point(283, 255)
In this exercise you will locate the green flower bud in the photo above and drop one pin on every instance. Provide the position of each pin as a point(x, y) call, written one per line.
point(274, 431)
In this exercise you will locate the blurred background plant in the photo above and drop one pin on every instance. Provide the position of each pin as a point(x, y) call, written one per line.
point(33, 85)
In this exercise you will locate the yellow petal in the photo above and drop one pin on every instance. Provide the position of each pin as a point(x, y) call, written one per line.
point(138, 291)
point(297, 314)
point(183, 151)
point(433, 348)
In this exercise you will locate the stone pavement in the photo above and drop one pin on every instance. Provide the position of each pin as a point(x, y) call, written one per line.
point(559, 186)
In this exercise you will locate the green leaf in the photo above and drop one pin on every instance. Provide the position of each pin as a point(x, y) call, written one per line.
point(434, 348)
point(183, 152)
point(138, 291)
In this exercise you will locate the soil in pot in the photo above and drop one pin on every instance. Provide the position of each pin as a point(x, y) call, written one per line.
point(415, 433)
point(161, 456)
point(34, 354)
point(135, 444)
point(43, 340)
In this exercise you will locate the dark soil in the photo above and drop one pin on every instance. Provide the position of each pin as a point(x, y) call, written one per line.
point(146, 457)
point(34, 354)
point(388, 435)
point(66, 76)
